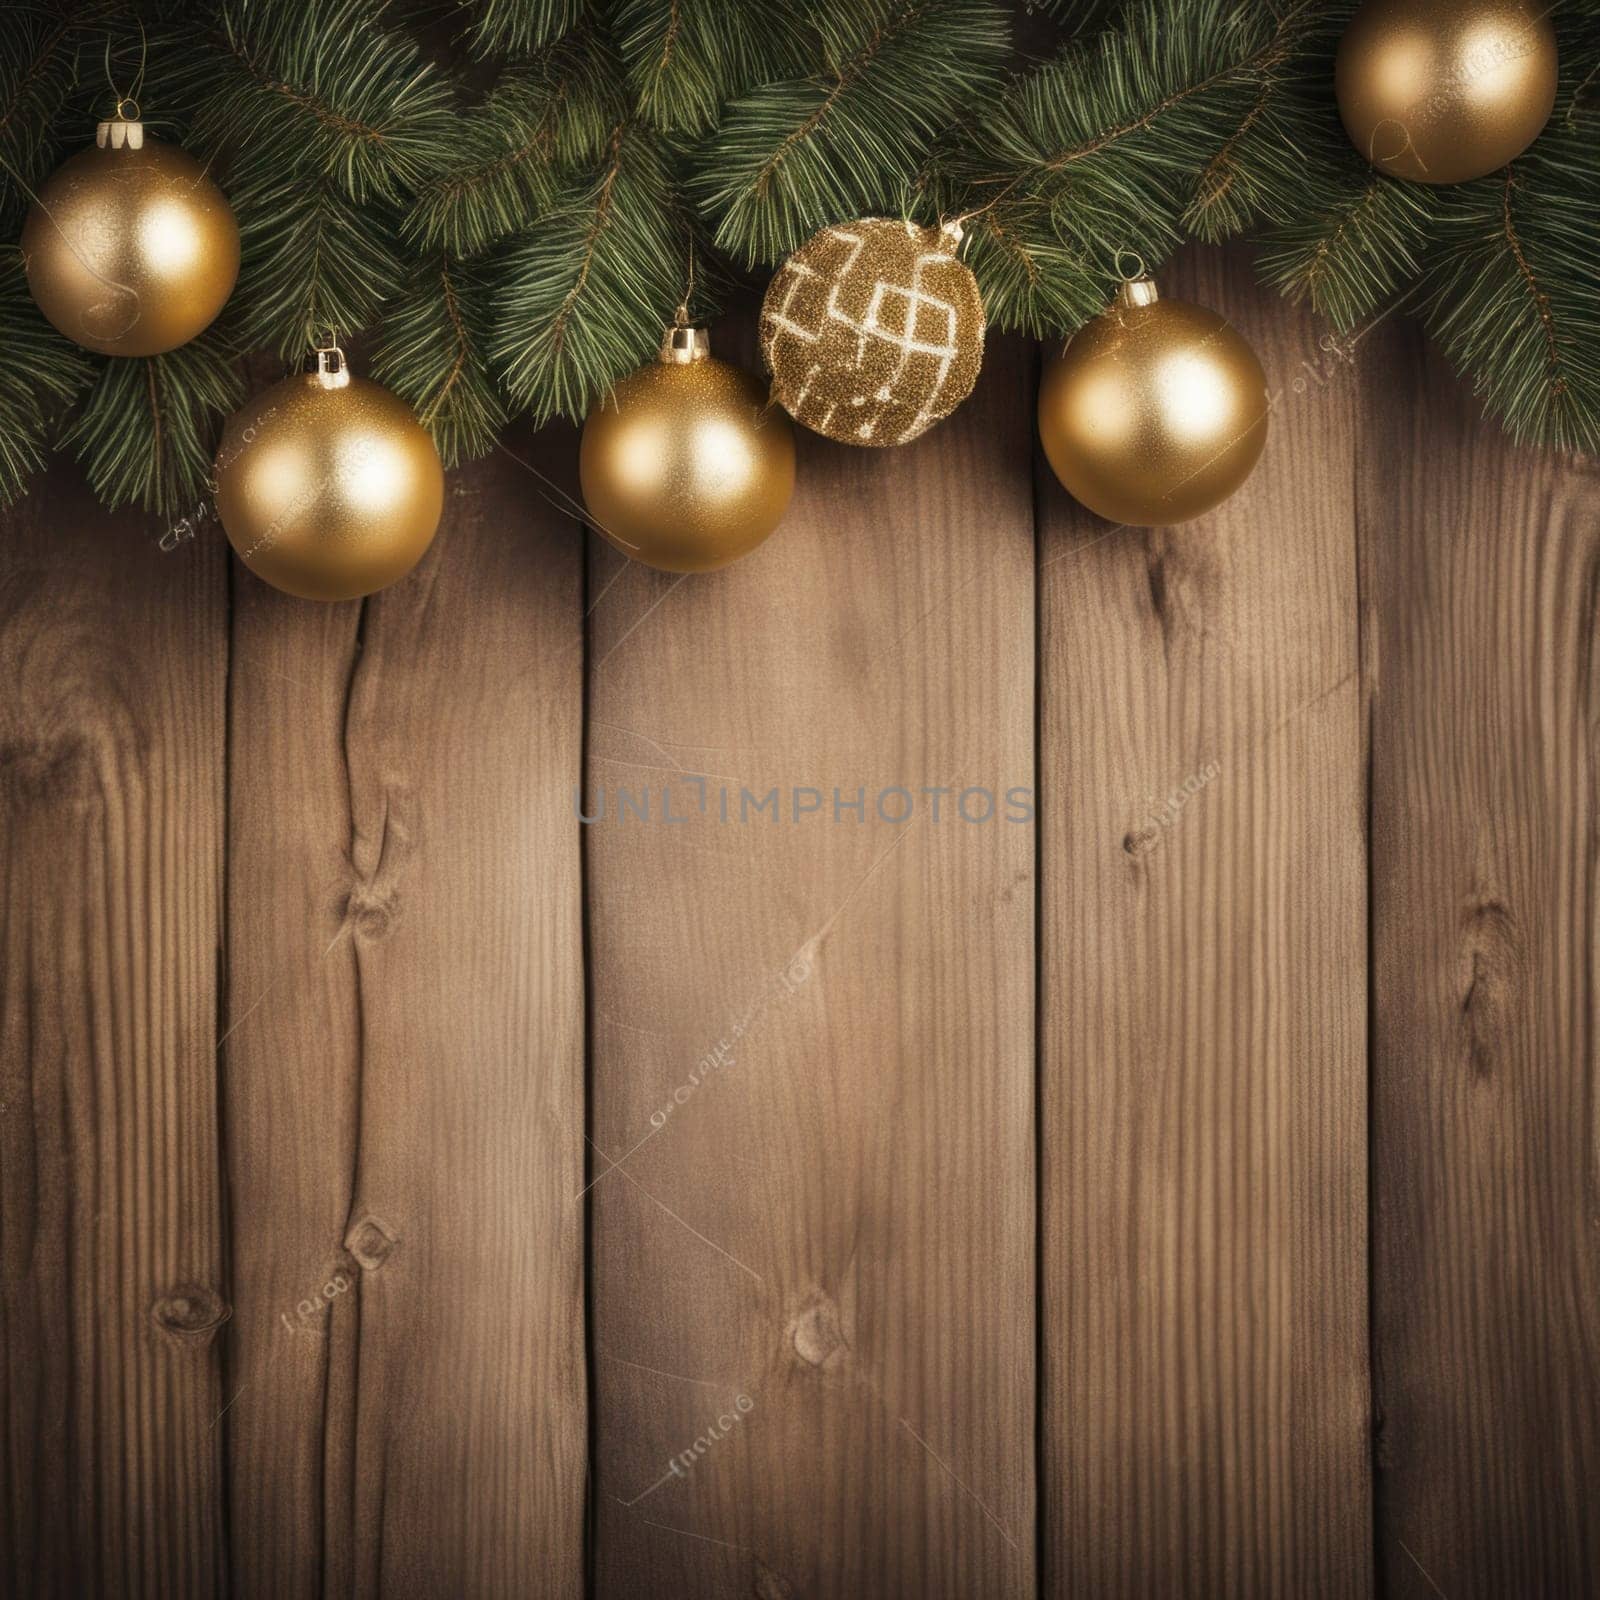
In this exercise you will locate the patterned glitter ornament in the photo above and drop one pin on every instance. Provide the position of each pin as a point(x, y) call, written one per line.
point(873, 331)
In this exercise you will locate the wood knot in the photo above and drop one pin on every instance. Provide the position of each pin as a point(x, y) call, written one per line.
point(1156, 574)
point(190, 1313)
point(370, 1243)
point(41, 772)
point(1018, 878)
point(1491, 965)
point(815, 1331)
point(371, 913)
point(1140, 842)
point(768, 1585)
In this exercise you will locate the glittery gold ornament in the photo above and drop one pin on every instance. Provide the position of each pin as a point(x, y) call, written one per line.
point(1446, 90)
point(130, 248)
point(327, 486)
point(1155, 412)
point(686, 466)
point(873, 331)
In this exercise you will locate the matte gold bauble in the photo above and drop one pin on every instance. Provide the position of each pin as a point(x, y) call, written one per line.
point(1445, 90)
point(685, 466)
point(1155, 412)
point(327, 486)
point(873, 331)
point(130, 248)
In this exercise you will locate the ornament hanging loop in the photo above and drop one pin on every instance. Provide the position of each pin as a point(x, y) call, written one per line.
point(136, 87)
point(122, 133)
point(333, 371)
point(680, 318)
point(1136, 288)
point(683, 346)
point(123, 129)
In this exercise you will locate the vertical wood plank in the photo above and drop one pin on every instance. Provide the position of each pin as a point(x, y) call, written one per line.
point(1203, 1062)
point(114, 660)
point(404, 1070)
point(1484, 564)
point(812, 1058)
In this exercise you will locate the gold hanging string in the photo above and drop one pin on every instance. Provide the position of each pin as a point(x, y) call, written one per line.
point(136, 88)
point(681, 319)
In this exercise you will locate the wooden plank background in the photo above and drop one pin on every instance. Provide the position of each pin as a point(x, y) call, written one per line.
point(407, 1190)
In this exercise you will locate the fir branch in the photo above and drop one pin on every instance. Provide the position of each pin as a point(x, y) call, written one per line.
point(312, 261)
point(1342, 236)
point(685, 58)
point(40, 372)
point(1120, 142)
point(511, 152)
point(38, 53)
point(1357, 249)
point(583, 297)
point(1028, 277)
point(1514, 283)
point(148, 428)
point(794, 155)
point(322, 86)
point(433, 354)
point(1254, 171)
point(518, 27)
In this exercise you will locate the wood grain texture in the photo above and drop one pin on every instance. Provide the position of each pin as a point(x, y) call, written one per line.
point(114, 660)
point(1483, 568)
point(403, 1070)
point(1204, 1383)
point(306, 1314)
point(835, 1220)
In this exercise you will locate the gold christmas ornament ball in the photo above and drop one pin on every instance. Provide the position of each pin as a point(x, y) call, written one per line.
point(327, 486)
point(1441, 91)
point(873, 331)
point(1155, 412)
point(686, 466)
point(130, 248)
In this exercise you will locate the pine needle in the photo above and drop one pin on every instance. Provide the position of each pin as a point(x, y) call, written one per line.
point(148, 429)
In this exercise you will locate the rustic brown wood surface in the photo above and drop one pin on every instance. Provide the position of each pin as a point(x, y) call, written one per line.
point(1483, 562)
point(1202, 1070)
point(837, 1222)
point(114, 661)
point(403, 1070)
point(1027, 1205)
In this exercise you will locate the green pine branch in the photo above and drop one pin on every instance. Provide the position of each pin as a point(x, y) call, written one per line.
point(1121, 143)
point(582, 297)
point(1513, 281)
point(39, 52)
point(40, 373)
point(851, 139)
point(434, 355)
point(321, 87)
point(686, 58)
point(1347, 239)
point(510, 154)
point(1357, 250)
point(312, 261)
point(519, 228)
point(148, 428)
point(519, 27)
